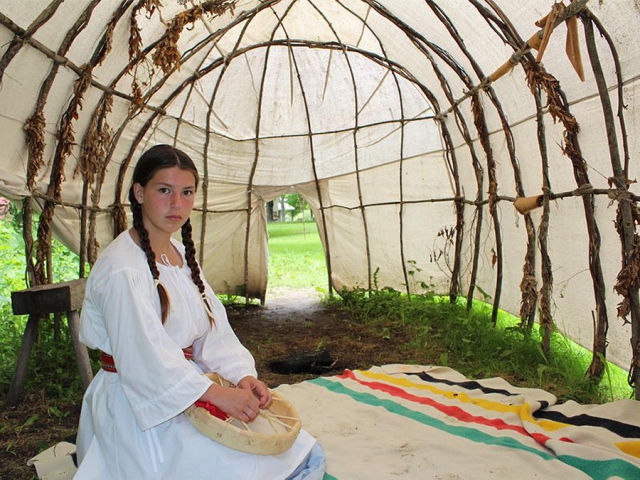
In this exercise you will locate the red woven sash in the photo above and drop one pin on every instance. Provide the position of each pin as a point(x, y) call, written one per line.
point(109, 365)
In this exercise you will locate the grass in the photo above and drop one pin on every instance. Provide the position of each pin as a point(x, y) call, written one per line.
point(469, 343)
point(296, 257)
point(573, 360)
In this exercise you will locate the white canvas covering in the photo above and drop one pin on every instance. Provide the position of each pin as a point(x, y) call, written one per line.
point(350, 103)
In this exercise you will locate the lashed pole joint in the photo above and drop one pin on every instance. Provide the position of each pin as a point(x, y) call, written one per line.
point(573, 9)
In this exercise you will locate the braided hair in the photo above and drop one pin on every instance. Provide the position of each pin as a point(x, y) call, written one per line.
point(153, 160)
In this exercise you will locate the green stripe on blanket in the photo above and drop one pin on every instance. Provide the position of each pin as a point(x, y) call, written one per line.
point(597, 469)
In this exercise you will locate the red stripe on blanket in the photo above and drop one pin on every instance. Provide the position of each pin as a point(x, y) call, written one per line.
point(455, 412)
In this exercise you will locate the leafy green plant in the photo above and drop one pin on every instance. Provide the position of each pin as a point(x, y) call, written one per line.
point(52, 362)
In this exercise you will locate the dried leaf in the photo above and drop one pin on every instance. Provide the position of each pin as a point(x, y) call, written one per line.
point(34, 130)
point(573, 47)
point(166, 54)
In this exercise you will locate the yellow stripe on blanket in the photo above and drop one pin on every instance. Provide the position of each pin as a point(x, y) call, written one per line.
point(523, 411)
point(630, 447)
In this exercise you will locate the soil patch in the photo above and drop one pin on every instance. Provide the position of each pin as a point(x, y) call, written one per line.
point(296, 322)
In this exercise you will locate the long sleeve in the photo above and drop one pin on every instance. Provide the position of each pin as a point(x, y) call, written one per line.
point(220, 350)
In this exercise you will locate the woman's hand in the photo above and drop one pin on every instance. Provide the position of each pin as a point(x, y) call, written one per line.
point(259, 389)
point(240, 403)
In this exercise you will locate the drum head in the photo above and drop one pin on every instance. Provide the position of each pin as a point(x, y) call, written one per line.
point(273, 431)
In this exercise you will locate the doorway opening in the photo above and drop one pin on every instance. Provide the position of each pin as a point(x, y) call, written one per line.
point(297, 264)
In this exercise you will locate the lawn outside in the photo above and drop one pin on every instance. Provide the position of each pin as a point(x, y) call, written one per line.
point(296, 258)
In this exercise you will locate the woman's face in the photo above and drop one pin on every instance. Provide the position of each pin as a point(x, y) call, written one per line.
point(167, 200)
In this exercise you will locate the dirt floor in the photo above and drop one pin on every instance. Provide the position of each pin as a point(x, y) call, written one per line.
point(296, 322)
point(292, 322)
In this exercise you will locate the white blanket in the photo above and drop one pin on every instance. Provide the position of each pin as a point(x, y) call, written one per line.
point(400, 421)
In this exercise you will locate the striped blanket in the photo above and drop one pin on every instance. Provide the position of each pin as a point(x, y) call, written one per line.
point(411, 422)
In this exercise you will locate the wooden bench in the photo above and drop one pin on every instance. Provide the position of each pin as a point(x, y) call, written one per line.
point(45, 300)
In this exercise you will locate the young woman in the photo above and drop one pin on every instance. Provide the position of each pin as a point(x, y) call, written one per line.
point(159, 325)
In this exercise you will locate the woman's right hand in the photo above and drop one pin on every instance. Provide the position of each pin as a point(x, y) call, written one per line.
point(239, 403)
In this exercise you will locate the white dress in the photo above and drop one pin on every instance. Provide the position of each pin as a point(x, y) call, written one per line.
point(132, 425)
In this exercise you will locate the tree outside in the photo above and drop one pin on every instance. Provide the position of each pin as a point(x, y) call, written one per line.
point(290, 207)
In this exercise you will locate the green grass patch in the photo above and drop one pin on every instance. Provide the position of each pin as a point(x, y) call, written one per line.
point(296, 257)
point(468, 342)
point(574, 359)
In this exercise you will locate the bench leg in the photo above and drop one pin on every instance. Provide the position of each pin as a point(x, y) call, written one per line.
point(82, 356)
point(28, 339)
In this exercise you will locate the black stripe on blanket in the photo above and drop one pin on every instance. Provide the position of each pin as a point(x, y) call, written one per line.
point(472, 385)
point(624, 430)
point(621, 429)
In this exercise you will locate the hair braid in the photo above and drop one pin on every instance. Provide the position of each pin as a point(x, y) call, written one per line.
point(157, 158)
point(192, 263)
point(145, 244)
